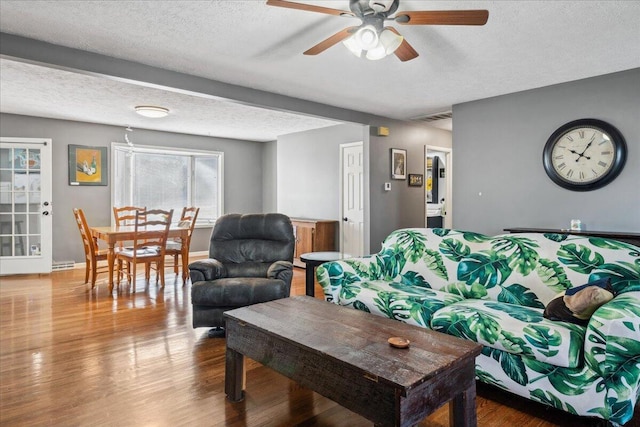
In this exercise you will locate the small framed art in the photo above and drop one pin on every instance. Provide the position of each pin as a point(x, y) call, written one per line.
point(87, 165)
point(398, 163)
point(415, 180)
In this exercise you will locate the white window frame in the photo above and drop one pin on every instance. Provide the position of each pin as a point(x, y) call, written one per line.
point(201, 222)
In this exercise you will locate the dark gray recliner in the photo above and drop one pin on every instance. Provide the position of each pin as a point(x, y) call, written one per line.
point(250, 261)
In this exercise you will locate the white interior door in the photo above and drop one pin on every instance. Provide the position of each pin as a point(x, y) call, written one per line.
point(352, 224)
point(25, 206)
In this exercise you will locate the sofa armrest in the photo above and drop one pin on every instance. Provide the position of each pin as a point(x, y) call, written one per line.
point(206, 269)
point(282, 270)
point(612, 341)
point(335, 277)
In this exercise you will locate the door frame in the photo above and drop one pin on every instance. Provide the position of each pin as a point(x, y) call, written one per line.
point(341, 197)
point(26, 264)
point(448, 154)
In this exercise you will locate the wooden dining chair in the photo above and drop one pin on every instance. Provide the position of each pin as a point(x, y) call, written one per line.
point(149, 246)
point(174, 247)
point(92, 253)
point(126, 215)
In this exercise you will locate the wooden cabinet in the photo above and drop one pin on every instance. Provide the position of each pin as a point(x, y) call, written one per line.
point(313, 235)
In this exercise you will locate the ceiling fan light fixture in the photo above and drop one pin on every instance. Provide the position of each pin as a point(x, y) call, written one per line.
point(151, 111)
point(390, 41)
point(351, 44)
point(376, 53)
point(367, 37)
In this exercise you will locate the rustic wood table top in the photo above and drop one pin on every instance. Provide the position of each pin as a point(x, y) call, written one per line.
point(354, 337)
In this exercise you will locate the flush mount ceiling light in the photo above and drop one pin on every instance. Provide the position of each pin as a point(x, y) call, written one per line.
point(152, 111)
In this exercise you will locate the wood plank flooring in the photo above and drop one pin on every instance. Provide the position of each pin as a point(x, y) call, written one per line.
point(71, 356)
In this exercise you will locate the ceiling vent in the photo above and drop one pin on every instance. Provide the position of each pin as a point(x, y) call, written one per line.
point(434, 117)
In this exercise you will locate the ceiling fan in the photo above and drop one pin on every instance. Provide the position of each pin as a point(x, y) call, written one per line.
point(372, 39)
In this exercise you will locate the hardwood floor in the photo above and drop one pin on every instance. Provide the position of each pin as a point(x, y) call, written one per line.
point(73, 356)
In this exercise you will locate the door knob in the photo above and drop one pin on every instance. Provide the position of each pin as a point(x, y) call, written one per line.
point(345, 219)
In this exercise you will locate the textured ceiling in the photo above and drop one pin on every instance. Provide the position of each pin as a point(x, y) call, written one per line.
point(34, 90)
point(524, 45)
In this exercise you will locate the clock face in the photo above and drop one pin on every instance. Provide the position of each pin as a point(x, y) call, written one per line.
point(584, 155)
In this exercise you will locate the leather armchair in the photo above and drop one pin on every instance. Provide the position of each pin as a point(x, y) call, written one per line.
point(250, 261)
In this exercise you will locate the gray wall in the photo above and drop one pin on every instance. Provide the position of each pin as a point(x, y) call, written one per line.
point(243, 163)
point(498, 144)
point(403, 206)
point(309, 170)
point(269, 176)
point(309, 174)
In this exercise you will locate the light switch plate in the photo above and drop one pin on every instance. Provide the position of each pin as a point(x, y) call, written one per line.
point(387, 186)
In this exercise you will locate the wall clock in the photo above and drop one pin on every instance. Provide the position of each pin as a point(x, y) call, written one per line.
point(584, 154)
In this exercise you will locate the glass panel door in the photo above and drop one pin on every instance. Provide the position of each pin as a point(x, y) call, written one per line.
point(25, 223)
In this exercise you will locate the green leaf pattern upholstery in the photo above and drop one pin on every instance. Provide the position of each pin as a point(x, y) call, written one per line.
point(493, 290)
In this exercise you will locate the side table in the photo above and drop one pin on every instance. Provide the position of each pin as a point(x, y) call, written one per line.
point(312, 260)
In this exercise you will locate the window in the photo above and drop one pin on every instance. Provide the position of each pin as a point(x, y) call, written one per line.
point(168, 178)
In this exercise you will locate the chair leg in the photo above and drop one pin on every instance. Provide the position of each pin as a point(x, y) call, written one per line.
point(94, 276)
point(175, 264)
point(133, 277)
point(118, 266)
point(119, 271)
point(86, 271)
point(160, 271)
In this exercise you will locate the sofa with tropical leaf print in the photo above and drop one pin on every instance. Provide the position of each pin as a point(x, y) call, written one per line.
point(493, 290)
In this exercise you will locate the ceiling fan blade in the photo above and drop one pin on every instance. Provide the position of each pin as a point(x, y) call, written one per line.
point(404, 52)
point(308, 7)
point(327, 43)
point(443, 17)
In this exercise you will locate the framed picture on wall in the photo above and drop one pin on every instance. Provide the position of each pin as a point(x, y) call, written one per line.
point(398, 163)
point(415, 180)
point(87, 165)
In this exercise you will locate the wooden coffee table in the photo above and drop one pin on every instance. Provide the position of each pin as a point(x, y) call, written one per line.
point(343, 354)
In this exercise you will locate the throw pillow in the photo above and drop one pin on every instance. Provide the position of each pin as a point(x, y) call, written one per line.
point(576, 305)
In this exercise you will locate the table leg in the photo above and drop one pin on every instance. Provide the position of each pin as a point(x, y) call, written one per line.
point(234, 376)
point(310, 279)
point(111, 262)
point(462, 408)
point(185, 263)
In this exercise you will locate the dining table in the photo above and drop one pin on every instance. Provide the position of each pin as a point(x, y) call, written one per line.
point(120, 233)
